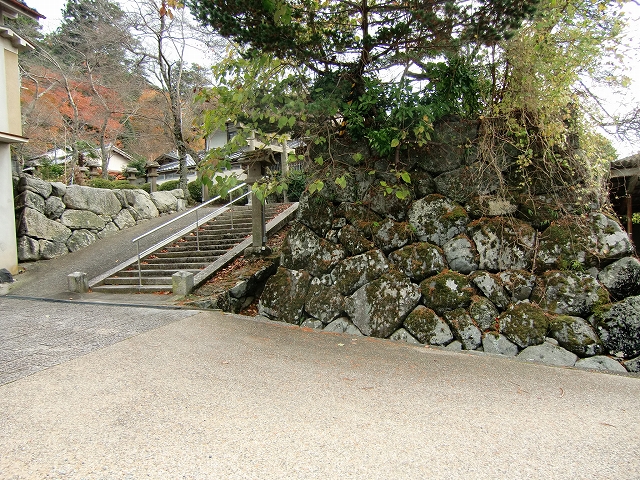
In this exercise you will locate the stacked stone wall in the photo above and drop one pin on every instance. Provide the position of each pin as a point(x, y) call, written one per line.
point(53, 219)
point(457, 265)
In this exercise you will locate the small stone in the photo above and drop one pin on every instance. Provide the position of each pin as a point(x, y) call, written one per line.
point(401, 335)
point(343, 325)
point(600, 362)
point(5, 276)
point(312, 323)
point(549, 354)
point(498, 344)
point(464, 329)
point(454, 346)
point(633, 365)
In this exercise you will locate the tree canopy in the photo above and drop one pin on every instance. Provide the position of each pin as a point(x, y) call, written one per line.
point(363, 35)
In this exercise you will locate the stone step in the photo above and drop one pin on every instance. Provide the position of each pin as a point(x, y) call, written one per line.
point(214, 239)
point(135, 281)
point(153, 272)
point(132, 288)
point(205, 246)
point(175, 266)
point(205, 251)
point(193, 240)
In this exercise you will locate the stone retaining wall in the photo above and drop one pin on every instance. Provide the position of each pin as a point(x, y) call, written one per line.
point(456, 265)
point(53, 219)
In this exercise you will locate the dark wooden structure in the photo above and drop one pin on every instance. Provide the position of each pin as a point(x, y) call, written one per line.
point(625, 191)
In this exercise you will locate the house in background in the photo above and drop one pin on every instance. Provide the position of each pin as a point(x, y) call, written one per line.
point(170, 163)
point(10, 124)
point(170, 167)
point(118, 158)
point(220, 138)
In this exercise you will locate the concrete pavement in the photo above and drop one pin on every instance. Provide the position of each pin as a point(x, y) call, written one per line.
point(204, 395)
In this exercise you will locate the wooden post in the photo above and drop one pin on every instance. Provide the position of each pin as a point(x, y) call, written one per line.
point(284, 162)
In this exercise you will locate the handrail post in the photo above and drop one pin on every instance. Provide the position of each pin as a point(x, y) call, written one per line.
point(139, 270)
point(197, 230)
point(231, 200)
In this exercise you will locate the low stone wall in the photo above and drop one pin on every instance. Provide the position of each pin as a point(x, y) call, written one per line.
point(442, 278)
point(53, 219)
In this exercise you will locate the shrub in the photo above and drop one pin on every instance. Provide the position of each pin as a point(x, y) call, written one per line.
point(195, 190)
point(124, 185)
point(112, 184)
point(101, 183)
point(169, 185)
point(51, 171)
point(296, 184)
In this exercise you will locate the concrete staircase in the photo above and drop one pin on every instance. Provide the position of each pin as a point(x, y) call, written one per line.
point(189, 253)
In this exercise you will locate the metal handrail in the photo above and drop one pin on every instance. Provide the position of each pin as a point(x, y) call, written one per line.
point(204, 219)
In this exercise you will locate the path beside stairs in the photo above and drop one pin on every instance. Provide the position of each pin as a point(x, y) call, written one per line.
point(48, 278)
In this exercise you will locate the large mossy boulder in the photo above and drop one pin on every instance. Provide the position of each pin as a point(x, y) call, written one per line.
point(484, 313)
point(467, 182)
point(576, 335)
point(618, 326)
point(82, 219)
point(140, 202)
point(451, 146)
point(461, 254)
point(387, 204)
point(35, 185)
point(284, 296)
point(582, 241)
point(164, 201)
point(36, 225)
point(569, 293)
point(425, 325)
point(622, 278)
point(503, 243)
point(30, 199)
point(518, 284)
point(316, 212)
point(359, 216)
point(491, 286)
point(353, 241)
point(304, 250)
point(54, 207)
point(80, 239)
point(419, 260)
point(436, 219)
point(524, 324)
point(379, 308)
point(354, 272)
point(325, 303)
point(446, 291)
point(390, 235)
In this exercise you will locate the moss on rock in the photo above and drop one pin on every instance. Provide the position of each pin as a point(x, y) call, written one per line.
point(419, 260)
point(524, 324)
point(424, 324)
point(446, 291)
